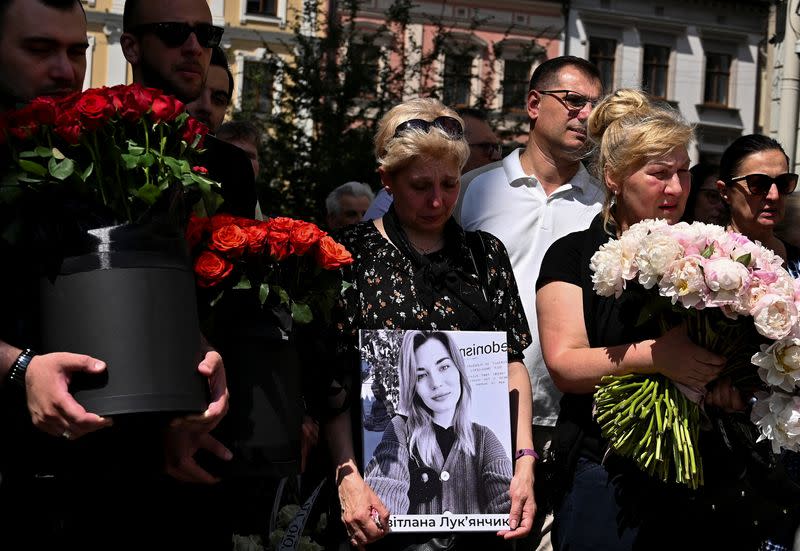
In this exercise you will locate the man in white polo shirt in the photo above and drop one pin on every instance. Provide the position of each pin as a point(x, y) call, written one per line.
point(538, 194)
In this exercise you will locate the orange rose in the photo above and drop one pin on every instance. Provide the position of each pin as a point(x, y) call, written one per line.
point(280, 231)
point(304, 235)
point(230, 239)
point(257, 238)
point(332, 255)
point(211, 269)
point(219, 220)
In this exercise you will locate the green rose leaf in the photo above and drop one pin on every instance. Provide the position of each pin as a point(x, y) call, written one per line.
point(263, 293)
point(61, 170)
point(282, 294)
point(28, 155)
point(47, 153)
point(131, 161)
point(134, 148)
point(88, 172)
point(148, 193)
point(33, 168)
point(301, 313)
point(244, 283)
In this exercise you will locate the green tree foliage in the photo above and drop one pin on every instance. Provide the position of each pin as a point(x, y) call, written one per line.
point(320, 110)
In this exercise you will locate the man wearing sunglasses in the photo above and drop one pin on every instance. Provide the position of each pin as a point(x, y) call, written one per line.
point(168, 44)
point(536, 195)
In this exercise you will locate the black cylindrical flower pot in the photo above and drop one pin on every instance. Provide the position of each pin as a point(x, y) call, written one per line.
point(129, 299)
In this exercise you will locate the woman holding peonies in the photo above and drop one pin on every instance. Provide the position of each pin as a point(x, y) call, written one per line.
point(415, 268)
point(608, 503)
point(754, 181)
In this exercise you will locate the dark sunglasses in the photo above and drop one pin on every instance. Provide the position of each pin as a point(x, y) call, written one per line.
point(450, 126)
point(174, 34)
point(760, 184)
point(571, 100)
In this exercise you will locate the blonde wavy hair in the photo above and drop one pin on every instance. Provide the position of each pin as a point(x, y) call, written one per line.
point(629, 130)
point(394, 153)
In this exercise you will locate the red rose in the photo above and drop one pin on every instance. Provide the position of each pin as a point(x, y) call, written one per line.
point(304, 235)
point(200, 169)
point(195, 229)
point(68, 126)
point(332, 255)
point(192, 129)
point(134, 102)
point(95, 107)
point(230, 239)
point(43, 110)
point(166, 108)
point(211, 269)
point(257, 236)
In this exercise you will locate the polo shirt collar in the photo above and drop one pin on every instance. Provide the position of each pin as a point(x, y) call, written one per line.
point(513, 169)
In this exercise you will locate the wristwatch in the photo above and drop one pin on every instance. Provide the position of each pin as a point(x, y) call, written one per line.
point(16, 375)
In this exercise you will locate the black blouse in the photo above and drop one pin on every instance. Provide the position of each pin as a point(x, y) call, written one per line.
point(383, 295)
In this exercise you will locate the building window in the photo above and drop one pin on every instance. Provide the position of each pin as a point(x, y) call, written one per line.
point(718, 74)
point(655, 70)
point(516, 76)
point(367, 59)
point(457, 80)
point(257, 87)
point(262, 7)
point(602, 52)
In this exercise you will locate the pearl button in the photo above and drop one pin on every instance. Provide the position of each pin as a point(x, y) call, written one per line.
point(445, 476)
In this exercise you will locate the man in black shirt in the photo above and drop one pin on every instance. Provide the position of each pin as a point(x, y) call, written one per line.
point(169, 45)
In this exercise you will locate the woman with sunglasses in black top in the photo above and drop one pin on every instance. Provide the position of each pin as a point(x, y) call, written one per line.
point(416, 268)
point(754, 180)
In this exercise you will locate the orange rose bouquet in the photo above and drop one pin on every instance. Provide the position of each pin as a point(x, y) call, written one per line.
point(279, 261)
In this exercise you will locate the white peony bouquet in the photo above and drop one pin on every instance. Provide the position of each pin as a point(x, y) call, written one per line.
point(733, 294)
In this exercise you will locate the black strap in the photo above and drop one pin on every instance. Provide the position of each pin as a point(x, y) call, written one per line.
point(477, 254)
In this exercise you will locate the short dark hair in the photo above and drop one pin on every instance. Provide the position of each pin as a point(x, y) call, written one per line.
point(547, 73)
point(239, 131)
point(219, 59)
point(57, 4)
point(130, 15)
point(742, 147)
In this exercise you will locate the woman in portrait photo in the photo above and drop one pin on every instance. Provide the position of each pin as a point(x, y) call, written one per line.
point(432, 457)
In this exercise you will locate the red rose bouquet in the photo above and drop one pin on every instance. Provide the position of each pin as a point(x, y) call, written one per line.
point(120, 148)
point(290, 262)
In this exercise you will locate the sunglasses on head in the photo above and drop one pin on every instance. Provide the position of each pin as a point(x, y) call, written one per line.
point(450, 126)
point(760, 184)
point(174, 34)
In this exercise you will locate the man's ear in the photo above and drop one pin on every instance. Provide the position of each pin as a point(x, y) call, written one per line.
point(131, 48)
point(532, 104)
